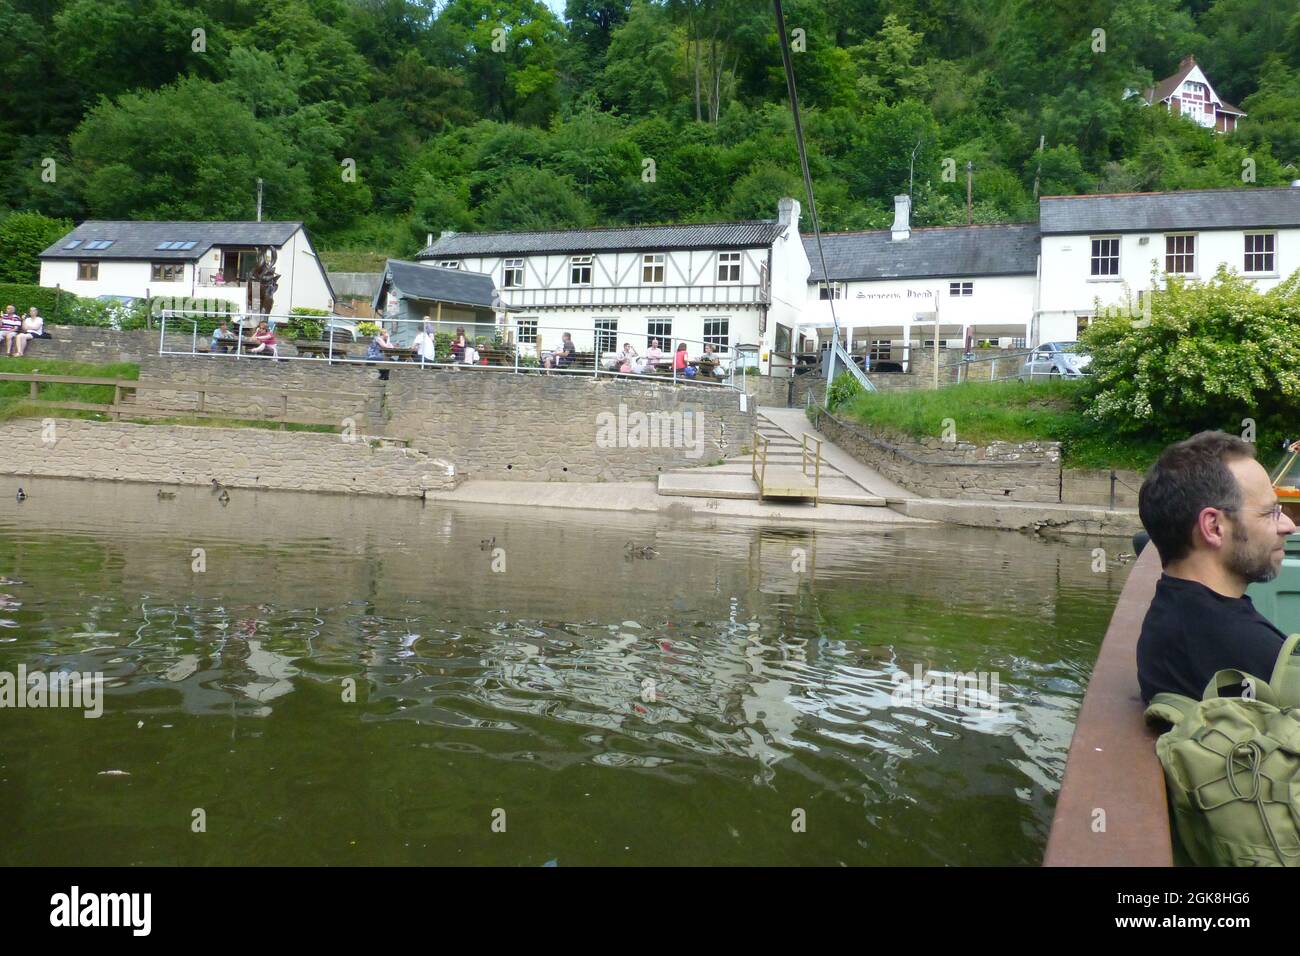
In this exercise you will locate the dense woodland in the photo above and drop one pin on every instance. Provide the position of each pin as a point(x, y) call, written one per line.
point(142, 118)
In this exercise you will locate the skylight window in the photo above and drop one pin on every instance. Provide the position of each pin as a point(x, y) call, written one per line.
point(99, 243)
point(189, 245)
point(73, 244)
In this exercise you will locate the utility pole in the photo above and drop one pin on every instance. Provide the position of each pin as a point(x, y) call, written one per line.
point(911, 167)
point(259, 198)
point(970, 172)
point(1038, 172)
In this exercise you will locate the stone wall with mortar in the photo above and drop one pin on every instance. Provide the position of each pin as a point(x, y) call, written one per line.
point(237, 457)
point(563, 427)
point(1024, 471)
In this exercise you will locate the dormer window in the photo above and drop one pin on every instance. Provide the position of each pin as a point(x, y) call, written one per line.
point(449, 263)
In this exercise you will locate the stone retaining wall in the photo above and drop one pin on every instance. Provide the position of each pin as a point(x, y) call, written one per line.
point(1027, 471)
point(563, 427)
point(237, 457)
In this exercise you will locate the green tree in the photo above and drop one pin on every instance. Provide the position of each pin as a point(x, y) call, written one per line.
point(23, 237)
point(535, 199)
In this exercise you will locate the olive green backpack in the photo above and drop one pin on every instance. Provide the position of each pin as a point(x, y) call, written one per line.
point(1232, 766)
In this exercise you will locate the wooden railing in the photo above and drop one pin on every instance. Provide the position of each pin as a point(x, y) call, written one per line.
point(756, 468)
point(117, 408)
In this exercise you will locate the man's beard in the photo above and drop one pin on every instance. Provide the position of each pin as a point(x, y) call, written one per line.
point(1254, 565)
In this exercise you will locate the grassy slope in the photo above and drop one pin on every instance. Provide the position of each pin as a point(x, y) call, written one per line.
point(1007, 411)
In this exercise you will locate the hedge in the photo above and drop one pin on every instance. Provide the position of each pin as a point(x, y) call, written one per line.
point(52, 303)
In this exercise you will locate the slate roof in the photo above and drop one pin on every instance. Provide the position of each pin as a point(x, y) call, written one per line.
point(930, 252)
point(718, 235)
point(140, 240)
point(1160, 212)
point(435, 284)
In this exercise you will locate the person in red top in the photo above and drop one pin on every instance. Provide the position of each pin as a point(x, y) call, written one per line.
point(679, 357)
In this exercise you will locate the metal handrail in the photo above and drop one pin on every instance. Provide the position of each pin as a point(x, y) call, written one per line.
point(338, 339)
point(759, 474)
point(817, 467)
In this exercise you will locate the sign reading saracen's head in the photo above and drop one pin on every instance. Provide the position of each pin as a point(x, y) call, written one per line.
point(263, 280)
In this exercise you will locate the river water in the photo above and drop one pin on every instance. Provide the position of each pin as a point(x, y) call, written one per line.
point(297, 679)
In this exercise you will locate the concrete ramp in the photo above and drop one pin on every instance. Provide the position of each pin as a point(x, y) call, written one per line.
point(785, 478)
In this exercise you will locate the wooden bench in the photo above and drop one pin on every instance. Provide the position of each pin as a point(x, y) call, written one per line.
point(320, 349)
point(398, 353)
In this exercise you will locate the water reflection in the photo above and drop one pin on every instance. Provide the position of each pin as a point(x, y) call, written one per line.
point(756, 664)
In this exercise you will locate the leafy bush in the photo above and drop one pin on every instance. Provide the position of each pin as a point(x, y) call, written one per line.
point(844, 389)
point(22, 297)
point(442, 346)
point(23, 237)
point(367, 329)
point(1212, 355)
point(305, 323)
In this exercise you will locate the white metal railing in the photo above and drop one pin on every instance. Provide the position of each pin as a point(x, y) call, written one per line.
point(341, 344)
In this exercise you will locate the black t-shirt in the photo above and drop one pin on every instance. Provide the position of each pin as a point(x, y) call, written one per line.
point(1191, 632)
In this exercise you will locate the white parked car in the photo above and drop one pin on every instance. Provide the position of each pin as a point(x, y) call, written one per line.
point(1055, 360)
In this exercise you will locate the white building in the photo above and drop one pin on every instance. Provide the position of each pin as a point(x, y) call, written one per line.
point(1189, 93)
point(725, 284)
point(196, 260)
point(886, 285)
point(1106, 250)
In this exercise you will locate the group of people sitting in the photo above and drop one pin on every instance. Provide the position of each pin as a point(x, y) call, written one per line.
point(261, 342)
point(17, 331)
point(629, 362)
point(426, 345)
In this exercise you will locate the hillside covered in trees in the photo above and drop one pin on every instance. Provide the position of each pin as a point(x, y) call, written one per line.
point(377, 121)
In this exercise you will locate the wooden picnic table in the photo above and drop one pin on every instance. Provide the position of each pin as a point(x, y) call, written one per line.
point(320, 349)
point(398, 353)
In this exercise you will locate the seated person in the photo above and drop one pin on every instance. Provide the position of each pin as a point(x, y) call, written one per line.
point(10, 326)
point(265, 339)
point(222, 338)
point(653, 355)
point(679, 357)
point(564, 357)
point(628, 360)
point(33, 328)
point(1214, 518)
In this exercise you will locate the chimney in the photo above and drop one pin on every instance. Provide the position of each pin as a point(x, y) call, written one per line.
point(902, 228)
point(428, 240)
point(788, 212)
point(1186, 62)
point(1295, 184)
point(446, 234)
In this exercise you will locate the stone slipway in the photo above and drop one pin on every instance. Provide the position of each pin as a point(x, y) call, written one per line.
point(643, 496)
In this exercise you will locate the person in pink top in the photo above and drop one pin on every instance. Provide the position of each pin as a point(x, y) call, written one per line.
point(265, 339)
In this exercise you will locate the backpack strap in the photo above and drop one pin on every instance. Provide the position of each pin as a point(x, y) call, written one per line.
point(1286, 673)
point(1170, 709)
point(1231, 677)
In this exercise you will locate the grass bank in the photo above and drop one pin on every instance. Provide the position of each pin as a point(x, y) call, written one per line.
point(982, 412)
point(14, 395)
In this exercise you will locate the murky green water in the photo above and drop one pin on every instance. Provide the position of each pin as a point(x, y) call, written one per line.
point(691, 707)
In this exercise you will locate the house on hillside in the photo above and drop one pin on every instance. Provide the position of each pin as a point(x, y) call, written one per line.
point(886, 285)
point(1104, 249)
point(1189, 93)
point(725, 284)
point(197, 260)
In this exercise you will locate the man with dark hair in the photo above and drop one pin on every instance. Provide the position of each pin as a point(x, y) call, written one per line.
point(1214, 518)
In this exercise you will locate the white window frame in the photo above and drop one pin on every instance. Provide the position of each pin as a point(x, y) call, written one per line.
point(830, 290)
point(961, 289)
point(1097, 258)
point(526, 329)
point(604, 335)
point(1185, 254)
point(653, 268)
point(728, 268)
point(449, 263)
point(577, 266)
point(512, 274)
point(666, 338)
point(1268, 255)
point(721, 341)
